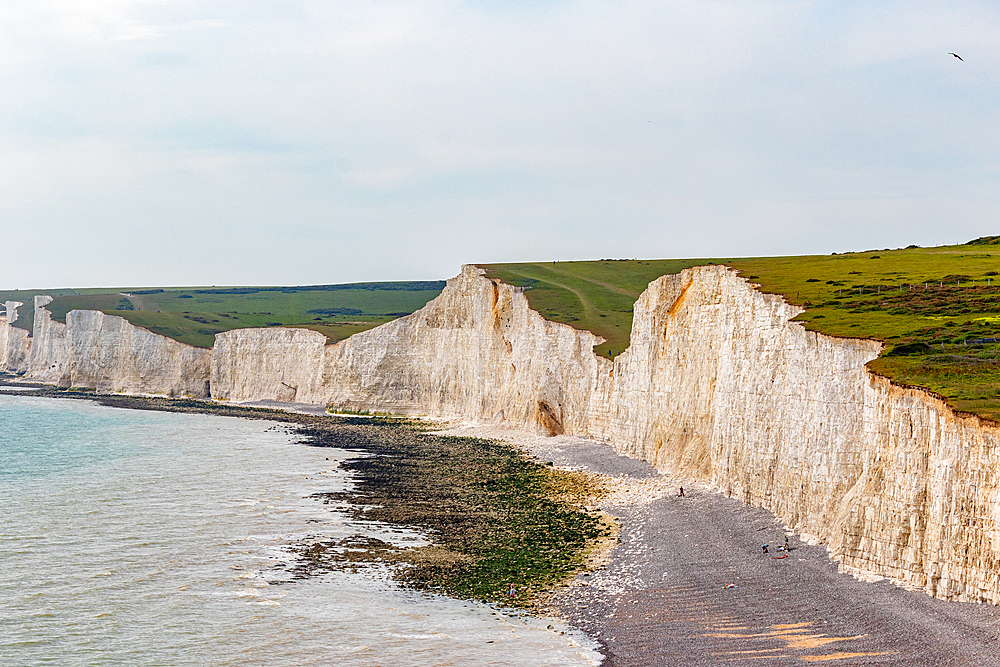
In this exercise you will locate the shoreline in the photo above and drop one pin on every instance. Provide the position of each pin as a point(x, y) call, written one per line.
point(125, 517)
point(659, 597)
point(495, 517)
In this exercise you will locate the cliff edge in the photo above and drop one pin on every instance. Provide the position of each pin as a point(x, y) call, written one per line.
point(718, 386)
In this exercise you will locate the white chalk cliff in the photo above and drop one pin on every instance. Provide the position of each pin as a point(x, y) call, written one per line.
point(718, 385)
point(13, 340)
point(104, 353)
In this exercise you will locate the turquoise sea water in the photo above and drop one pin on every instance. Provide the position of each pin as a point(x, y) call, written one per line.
point(143, 538)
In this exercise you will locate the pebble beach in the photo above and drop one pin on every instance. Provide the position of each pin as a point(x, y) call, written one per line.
point(688, 584)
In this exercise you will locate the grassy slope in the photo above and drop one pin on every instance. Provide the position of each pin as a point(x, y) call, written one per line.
point(195, 315)
point(944, 302)
point(849, 295)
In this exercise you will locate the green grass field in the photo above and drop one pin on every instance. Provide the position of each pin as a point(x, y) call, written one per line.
point(195, 315)
point(929, 305)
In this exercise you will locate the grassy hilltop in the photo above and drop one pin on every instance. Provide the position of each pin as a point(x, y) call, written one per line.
point(194, 315)
point(931, 306)
point(934, 308)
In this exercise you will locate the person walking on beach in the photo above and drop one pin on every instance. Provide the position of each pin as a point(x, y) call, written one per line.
point(763, 548)
point(681, 494)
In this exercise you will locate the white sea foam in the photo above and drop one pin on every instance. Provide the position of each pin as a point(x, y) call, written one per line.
point(142, 538)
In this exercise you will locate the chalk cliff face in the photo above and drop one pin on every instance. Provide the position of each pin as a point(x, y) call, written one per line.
point(717, 385)
point(273, 363)
point(50, 356)
point(105, 353)
point(13, 340)
point(720, 386)
point(475, 352)
point(109, 354)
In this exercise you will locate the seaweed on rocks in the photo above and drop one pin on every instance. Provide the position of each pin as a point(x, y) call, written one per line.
point(497, 519)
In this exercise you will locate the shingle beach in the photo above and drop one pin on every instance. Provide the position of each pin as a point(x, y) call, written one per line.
point(662, 597)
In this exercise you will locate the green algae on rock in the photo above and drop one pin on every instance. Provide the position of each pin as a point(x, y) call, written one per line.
point(497, 519)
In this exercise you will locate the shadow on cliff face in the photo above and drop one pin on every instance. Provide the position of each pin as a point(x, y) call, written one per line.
point(548, 418)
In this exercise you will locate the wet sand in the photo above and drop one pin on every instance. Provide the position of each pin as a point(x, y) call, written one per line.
point(660, 598)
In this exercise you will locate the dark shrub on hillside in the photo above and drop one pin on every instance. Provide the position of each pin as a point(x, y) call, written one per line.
point(335, 311)
point(985, 240)
point(907, 349)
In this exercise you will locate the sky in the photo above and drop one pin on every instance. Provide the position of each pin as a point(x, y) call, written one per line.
point(266, 142)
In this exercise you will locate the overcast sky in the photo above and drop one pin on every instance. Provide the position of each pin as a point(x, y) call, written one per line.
point(170, 142)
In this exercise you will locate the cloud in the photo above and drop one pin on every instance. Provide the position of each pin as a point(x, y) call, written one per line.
point(481, 131)
point(91, 22)
point(132, 30)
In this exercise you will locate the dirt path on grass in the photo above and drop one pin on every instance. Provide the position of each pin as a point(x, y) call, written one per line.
point(588, 309)
point(607, 286)
point(661, 597)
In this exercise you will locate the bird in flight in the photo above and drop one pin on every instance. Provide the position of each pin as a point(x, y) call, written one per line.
point(956, 55)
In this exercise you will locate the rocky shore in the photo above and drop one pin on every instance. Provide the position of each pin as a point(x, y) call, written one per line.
point(502, 528)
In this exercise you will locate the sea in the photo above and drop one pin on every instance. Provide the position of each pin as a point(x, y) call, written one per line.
point(130, 537)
